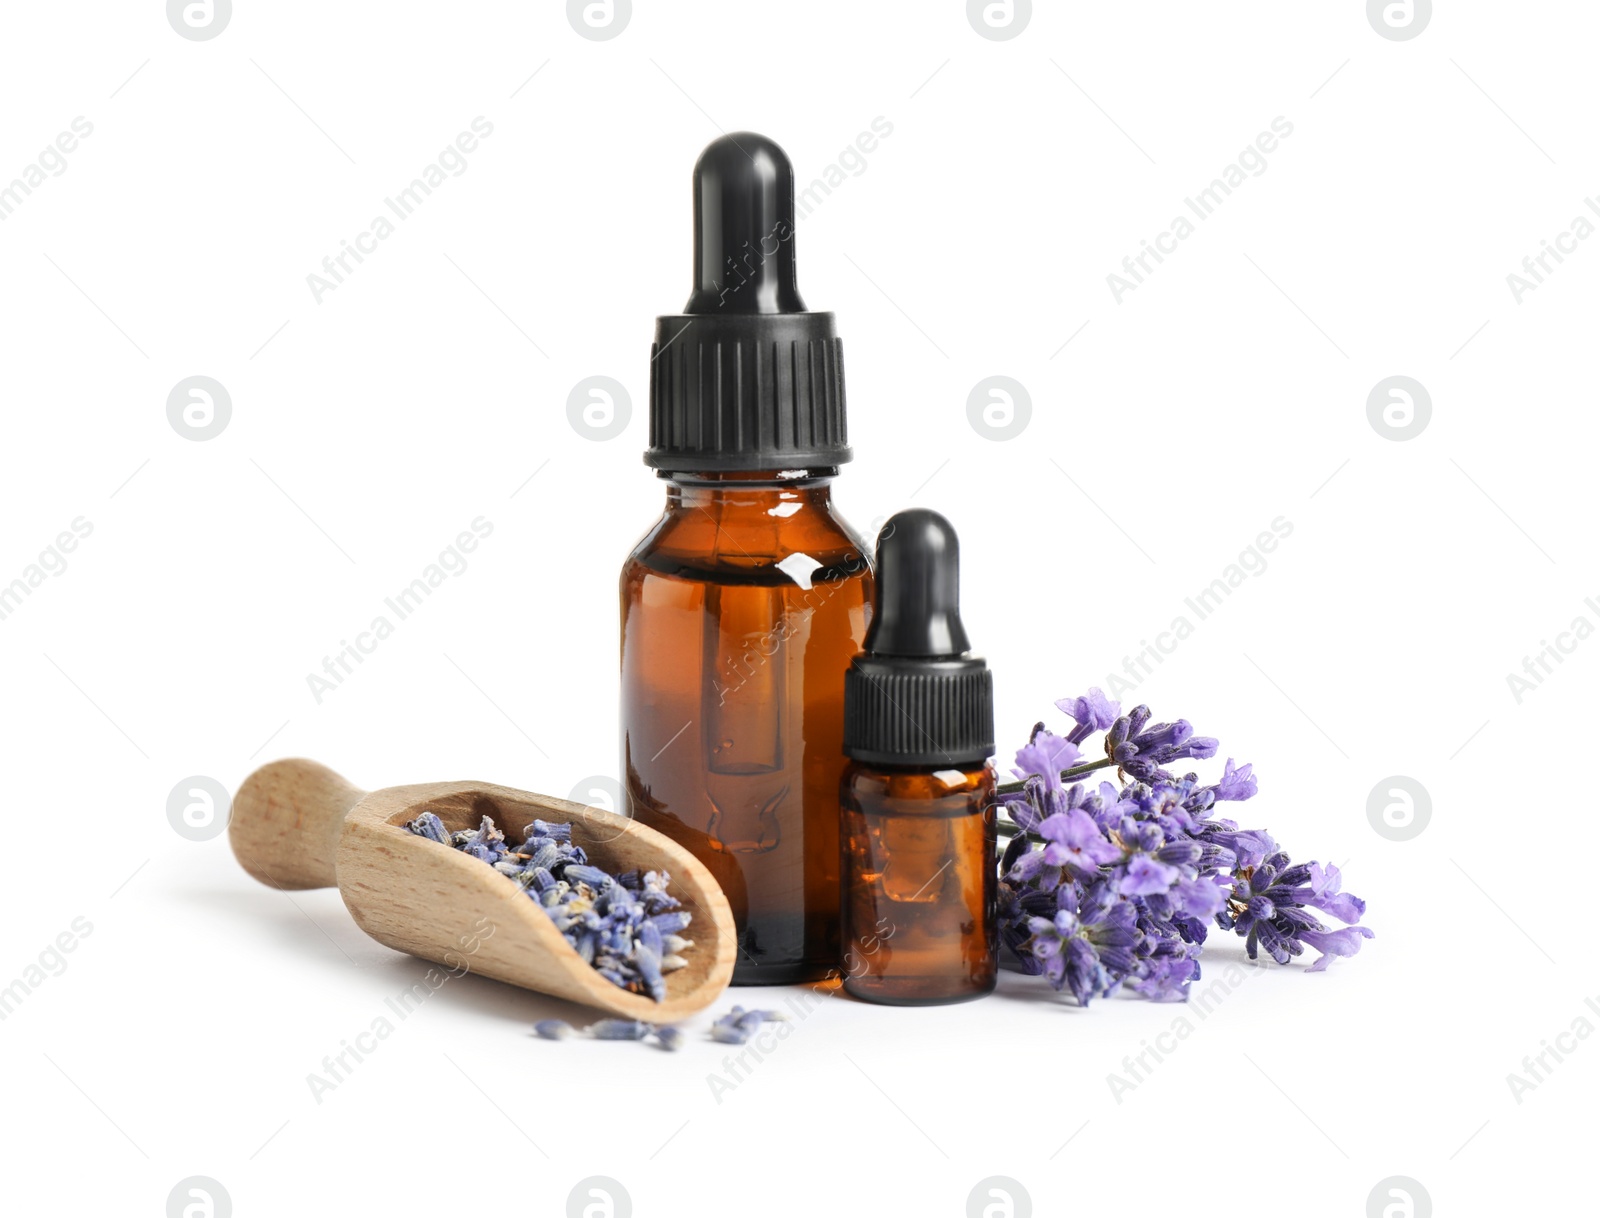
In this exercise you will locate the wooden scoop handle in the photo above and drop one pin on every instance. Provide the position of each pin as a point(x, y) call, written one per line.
point(286, 822)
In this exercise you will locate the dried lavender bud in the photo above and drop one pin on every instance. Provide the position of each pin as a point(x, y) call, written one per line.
point(670, 1039)
point(544, 858)
point(739, 1025)
point(619, 1029)
point(592, 876)
point(538, 881)
point(485, 843)
point(431, 827)
point(765, 1016)
point(554, 1029)
point(626, 927)
point(542, 828)
point(650, 936)
point(649, 966)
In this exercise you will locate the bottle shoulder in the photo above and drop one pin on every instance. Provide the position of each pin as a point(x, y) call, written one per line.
point(954, 788)
point(754, 539)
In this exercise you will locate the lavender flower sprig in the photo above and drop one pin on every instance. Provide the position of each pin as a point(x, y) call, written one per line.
point(627, 927)
point(1117, 887)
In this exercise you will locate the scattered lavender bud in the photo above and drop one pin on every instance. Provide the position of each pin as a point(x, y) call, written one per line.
point(554, 1029)
point(739, 1025)
point(619, 1029)
point(671, 1039)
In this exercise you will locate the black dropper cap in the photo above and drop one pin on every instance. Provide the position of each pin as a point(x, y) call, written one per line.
point(745, 378)
point(915, 696)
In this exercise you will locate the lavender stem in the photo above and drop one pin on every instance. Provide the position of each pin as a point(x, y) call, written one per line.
point(1077, 771)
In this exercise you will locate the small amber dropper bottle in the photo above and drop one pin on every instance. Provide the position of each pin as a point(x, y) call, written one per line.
point(919, 793)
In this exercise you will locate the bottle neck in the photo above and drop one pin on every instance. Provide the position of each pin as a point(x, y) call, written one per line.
point(796, 489)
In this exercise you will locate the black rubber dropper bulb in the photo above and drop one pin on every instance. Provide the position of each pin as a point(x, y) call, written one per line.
point(916, 695)
point(744, 228)
point(745, 379)
point(919, 589)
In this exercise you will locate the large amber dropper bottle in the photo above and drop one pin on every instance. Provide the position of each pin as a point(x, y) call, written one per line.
point(742, 607)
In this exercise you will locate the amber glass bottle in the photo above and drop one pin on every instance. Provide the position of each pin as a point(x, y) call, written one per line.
point(741, 610)
point(742, 607)
point(919, 793)
point(920, 889)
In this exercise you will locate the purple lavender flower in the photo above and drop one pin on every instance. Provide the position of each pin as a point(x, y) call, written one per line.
point(1086, 947)
point(1236, 784)
point(1142, 751)
point(1202, 897)
point(1028, 807)
point(1344, 941)
point(1144, 877)
point(1249, 847)
point(1323, 893)
point(1074, 841)
point(1110, 887)
point(1109, 807)
point(1167, 979)
point(1266, 907)
point(1046, 755)
point(1093, 711)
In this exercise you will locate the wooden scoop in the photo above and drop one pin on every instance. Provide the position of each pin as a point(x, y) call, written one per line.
point(297, 824)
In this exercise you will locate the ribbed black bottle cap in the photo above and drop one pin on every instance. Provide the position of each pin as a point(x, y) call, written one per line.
point(744, 378)
point(915, 696)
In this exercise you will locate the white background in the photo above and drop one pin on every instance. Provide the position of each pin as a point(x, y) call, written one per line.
point(367, 430)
